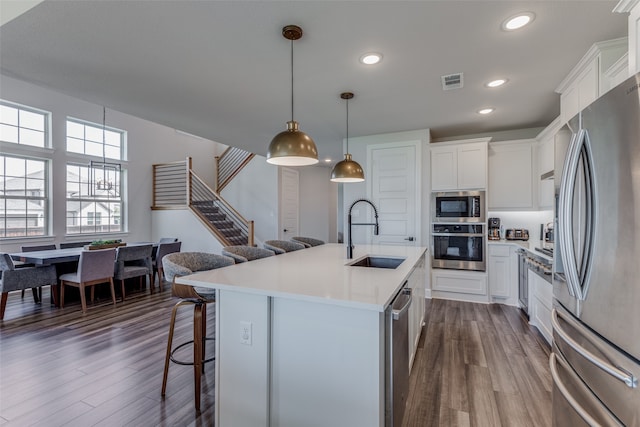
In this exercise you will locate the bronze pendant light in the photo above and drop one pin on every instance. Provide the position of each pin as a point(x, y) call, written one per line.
point(347, 170)
point(292, 147)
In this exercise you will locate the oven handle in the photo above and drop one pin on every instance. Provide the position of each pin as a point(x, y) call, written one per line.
point(458, 234)
point(553, 360)
point(617, 373)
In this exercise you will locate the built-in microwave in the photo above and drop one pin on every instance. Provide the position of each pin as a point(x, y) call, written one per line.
point(458, 206)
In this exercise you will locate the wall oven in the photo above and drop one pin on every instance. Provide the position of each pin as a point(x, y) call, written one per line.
point(458, 246)
point(458, 206)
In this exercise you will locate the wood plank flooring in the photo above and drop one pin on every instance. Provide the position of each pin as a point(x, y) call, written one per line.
point(477, 365)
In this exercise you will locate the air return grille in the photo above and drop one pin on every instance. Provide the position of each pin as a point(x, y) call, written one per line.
point(452, 81)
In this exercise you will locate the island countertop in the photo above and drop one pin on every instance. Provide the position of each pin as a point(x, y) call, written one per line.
point(318, 274)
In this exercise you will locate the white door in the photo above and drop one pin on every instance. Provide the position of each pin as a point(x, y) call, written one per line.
point(394, 190)
point(289, 182)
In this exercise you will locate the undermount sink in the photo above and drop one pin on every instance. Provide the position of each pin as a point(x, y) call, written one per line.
point(378, 262)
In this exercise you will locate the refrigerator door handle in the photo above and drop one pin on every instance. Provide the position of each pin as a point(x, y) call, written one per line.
point(553, 360)
point(565, 198)
point(626, 377)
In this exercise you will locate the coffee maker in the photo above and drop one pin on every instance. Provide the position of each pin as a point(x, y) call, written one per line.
point(494, 229)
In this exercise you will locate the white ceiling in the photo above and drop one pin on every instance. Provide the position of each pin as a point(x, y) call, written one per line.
point(221, 69)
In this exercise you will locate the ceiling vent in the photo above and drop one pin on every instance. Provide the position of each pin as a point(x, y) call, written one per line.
point(452, 81)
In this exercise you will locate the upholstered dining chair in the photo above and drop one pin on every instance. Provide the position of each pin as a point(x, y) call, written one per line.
point(307, 241)
point(37, 292)
point(282, 246)
point(94, 267)
point(163, 249)
point(133, 261)
point(12, 279)
point(67, 245)
point(180, 264)
point(242, 253)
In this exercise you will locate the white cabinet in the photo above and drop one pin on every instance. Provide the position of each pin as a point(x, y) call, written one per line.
point(587, 81)
point(510, 175)
point(416, 282)
point(459, 165)
point(459, 285)
point(633, 8)
point(502, 269)
point(540, 304)
point(546, 164)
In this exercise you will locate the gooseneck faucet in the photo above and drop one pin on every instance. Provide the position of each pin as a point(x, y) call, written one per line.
point(376, 227)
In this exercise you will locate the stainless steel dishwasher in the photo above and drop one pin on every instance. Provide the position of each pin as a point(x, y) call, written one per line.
point(397, 357)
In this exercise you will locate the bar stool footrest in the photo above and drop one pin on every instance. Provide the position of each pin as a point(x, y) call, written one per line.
point(184, 344)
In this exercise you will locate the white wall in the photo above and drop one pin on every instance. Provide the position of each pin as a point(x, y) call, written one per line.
point(147, 143)
point(254, 193)
point(184, 225)
point(318, 204)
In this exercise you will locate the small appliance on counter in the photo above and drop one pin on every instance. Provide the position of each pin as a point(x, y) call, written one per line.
point(517, 234)
point(494, 229)
point(548, 232)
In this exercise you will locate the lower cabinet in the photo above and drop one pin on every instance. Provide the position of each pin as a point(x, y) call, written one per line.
point(416, 282)
point(502, 269)
point(540, 304)
point(459, 285)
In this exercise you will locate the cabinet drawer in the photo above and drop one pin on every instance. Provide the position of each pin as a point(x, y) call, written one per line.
point(544, 292)
point(498, 250)
point(460, 283)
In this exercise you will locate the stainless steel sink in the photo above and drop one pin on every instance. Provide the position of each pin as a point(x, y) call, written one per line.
point(378, 262)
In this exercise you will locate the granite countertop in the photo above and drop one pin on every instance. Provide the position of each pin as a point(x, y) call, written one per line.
point(317, 274)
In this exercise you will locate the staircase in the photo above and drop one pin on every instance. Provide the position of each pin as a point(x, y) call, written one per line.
point(175, 185)
point(229, 164)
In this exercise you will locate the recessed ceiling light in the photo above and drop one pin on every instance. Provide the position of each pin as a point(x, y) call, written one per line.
point(371, 58)
point(518, 21)
point(486, 111)
point(327, 160)
point(496, 83)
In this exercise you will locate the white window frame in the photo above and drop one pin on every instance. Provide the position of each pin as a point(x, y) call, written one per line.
point(46, 132)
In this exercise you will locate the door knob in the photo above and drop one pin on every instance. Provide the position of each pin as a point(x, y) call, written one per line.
point(409, 238)
point(285, 230)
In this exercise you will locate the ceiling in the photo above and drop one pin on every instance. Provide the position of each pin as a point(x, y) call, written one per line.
point(221, 69)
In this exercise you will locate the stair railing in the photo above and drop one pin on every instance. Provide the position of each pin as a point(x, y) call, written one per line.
point(229, 164)
point(176, 186)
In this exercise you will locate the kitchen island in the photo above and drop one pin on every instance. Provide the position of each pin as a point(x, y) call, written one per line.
point(300, 337)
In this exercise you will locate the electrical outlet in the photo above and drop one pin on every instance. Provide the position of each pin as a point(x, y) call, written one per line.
point(245, 333)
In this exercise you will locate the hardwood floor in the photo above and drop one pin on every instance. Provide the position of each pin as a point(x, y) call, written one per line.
point(479, 365)
point(476, 365)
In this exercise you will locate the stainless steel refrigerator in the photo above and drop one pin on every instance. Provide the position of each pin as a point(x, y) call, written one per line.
point(595, 363)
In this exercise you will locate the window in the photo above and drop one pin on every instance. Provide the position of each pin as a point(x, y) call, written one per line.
point(23, 125)
point(23, 196)
point(93, 207)
point(94, 140)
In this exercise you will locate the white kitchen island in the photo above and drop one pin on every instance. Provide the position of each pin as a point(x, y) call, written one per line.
point(300, 337)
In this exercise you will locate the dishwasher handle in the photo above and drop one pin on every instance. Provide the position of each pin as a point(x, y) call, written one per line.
point(406, 292)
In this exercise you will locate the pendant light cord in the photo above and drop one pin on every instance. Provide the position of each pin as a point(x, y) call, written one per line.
point(347, 125)
point(104, 132)
point(291, 80)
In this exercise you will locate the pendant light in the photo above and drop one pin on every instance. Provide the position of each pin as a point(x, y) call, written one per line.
point(347, 170)
point(292, 147)
point(104, 176)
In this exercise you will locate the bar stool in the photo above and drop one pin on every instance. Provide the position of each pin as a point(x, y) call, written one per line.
point(180, 264)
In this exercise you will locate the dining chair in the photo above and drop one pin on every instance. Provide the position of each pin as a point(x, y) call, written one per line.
point(167, 240)
point(37, 291)
point(282, 246)
point(163, 249)
point(242, 253)
point(307, 241)
point(133, 261)
point(94, 267)
point(181, 264)
point(13, 279)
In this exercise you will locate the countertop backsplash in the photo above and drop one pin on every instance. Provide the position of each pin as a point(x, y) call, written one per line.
point(529, 220)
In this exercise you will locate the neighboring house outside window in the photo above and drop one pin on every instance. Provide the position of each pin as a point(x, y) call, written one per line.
point(24, 179)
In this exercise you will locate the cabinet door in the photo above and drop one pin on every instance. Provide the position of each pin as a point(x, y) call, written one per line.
point(472, 166)
point(499, 271)
point(588, 84)
point(510, 176)
point(546, 194)
point(444, 168)
point(569, 103)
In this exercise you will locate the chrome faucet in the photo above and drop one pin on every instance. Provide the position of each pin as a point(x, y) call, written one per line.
point(376, 227)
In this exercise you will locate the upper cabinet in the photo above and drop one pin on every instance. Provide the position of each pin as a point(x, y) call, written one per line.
point(633, 8)
point(587, 81)
point(545, 173)
point(510, 175)
point(459, 165)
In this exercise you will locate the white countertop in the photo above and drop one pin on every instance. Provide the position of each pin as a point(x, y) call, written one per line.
point(318, 274)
